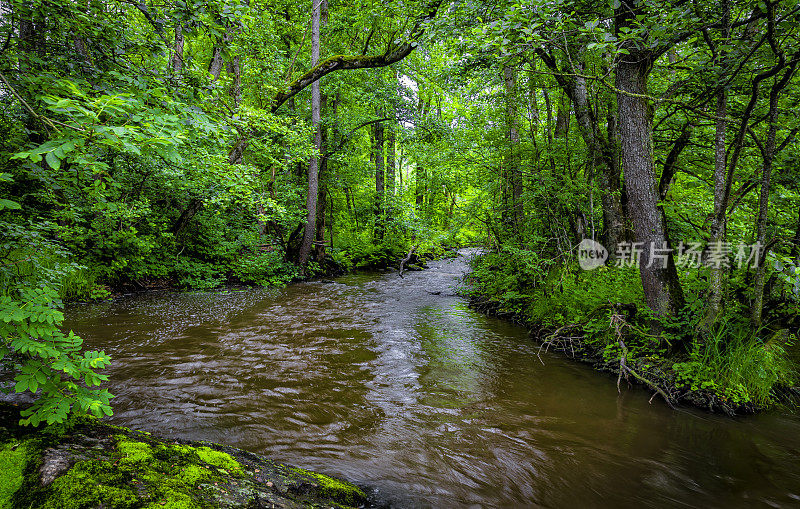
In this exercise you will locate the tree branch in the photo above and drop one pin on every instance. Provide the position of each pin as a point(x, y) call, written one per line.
point(671, 163)
point(342, 62)
point(158, 25)
point(347, 137)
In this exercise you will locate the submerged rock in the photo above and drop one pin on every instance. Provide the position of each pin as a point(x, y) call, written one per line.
point(88, 464)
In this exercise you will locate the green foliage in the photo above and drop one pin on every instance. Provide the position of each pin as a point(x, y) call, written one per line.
point(48, 360)
point(265, 269)
point(736, 365)
point(359, 252)
point(197, 275)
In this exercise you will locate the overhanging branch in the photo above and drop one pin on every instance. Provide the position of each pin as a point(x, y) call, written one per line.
point(342, 62)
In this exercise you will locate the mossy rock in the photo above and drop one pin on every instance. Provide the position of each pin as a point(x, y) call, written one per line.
point(87, 464)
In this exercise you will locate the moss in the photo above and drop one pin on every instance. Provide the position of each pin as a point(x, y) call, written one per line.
point(90, 484)
point(109, 466)
point(194, 475)
point(160, 475)
point(334, 489)
point(14, 457)
point(134, 452)
point(219, 459)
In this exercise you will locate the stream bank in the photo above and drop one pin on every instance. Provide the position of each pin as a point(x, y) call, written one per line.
point(731, 370)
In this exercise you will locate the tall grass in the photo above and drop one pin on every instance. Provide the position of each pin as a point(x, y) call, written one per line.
point(736, 363)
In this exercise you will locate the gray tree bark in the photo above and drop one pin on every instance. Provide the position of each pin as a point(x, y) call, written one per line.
point(662, 290)
point(380, 181)
point(718, 222)
point(763, 202)
point(177, 53)
point(313, 164)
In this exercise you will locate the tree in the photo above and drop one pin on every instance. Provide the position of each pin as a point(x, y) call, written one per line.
point(662, 289)
point(313, 165)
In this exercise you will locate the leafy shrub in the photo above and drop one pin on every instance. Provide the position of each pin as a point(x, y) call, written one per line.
point(197, 275)
point(737, 365)
point(46, 361)
point(42, 354)
point(265, 269)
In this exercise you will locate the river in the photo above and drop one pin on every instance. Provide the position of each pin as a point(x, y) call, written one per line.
point(395, 384)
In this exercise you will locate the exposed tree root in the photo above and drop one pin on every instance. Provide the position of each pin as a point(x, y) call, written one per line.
point(618, 322)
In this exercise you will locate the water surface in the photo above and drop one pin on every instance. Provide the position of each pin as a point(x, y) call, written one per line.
point(395, 384)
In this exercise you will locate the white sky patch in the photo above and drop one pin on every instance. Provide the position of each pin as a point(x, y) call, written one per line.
point(409, 84)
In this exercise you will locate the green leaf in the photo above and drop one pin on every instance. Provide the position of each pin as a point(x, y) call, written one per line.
point(8, 204)
point(53, 160)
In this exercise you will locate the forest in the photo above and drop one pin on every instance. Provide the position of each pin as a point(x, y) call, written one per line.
point(197, 144)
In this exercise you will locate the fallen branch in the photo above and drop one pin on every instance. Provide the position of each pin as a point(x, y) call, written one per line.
point(407, 258)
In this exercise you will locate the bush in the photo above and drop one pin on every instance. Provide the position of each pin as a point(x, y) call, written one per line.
point(197, 275)
point(737, 365)
point(45, 361)
point(265, 269)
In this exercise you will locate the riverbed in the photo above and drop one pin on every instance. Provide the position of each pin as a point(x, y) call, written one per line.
point(395, 384)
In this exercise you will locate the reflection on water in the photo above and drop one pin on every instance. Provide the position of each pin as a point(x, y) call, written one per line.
point(395, 384)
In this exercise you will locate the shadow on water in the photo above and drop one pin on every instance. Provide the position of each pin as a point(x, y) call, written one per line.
point(394, 383)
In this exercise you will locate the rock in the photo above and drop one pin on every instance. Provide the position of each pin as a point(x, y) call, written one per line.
point(85, 463)
point(54, 463)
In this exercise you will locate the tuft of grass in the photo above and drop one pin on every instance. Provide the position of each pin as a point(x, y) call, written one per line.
point(738, 365)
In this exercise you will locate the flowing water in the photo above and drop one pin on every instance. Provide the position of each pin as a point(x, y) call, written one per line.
point(396, 385)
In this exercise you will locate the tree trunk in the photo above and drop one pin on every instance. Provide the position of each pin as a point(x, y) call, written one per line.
point(761, 225)
point(513, 173)
point(533, 102)
point(603, 151)
point(662, 289)
point(313, 164)
point(217, 62)
point(763, 202)
point(797, 240)
point(27, 34)
point(613, 211)
point(235, 71)
point(717, 232)
point(379, 210)
point(562, 117)
point(391, 145)
point(347, 199)
point(188, 213)
point(601, 157)
point(177, 54)
point(420, 182)
point(322, 198)
point(322, 203)
point(718, 228)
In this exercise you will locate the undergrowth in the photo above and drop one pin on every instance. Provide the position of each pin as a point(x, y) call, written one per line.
point(601, 315)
